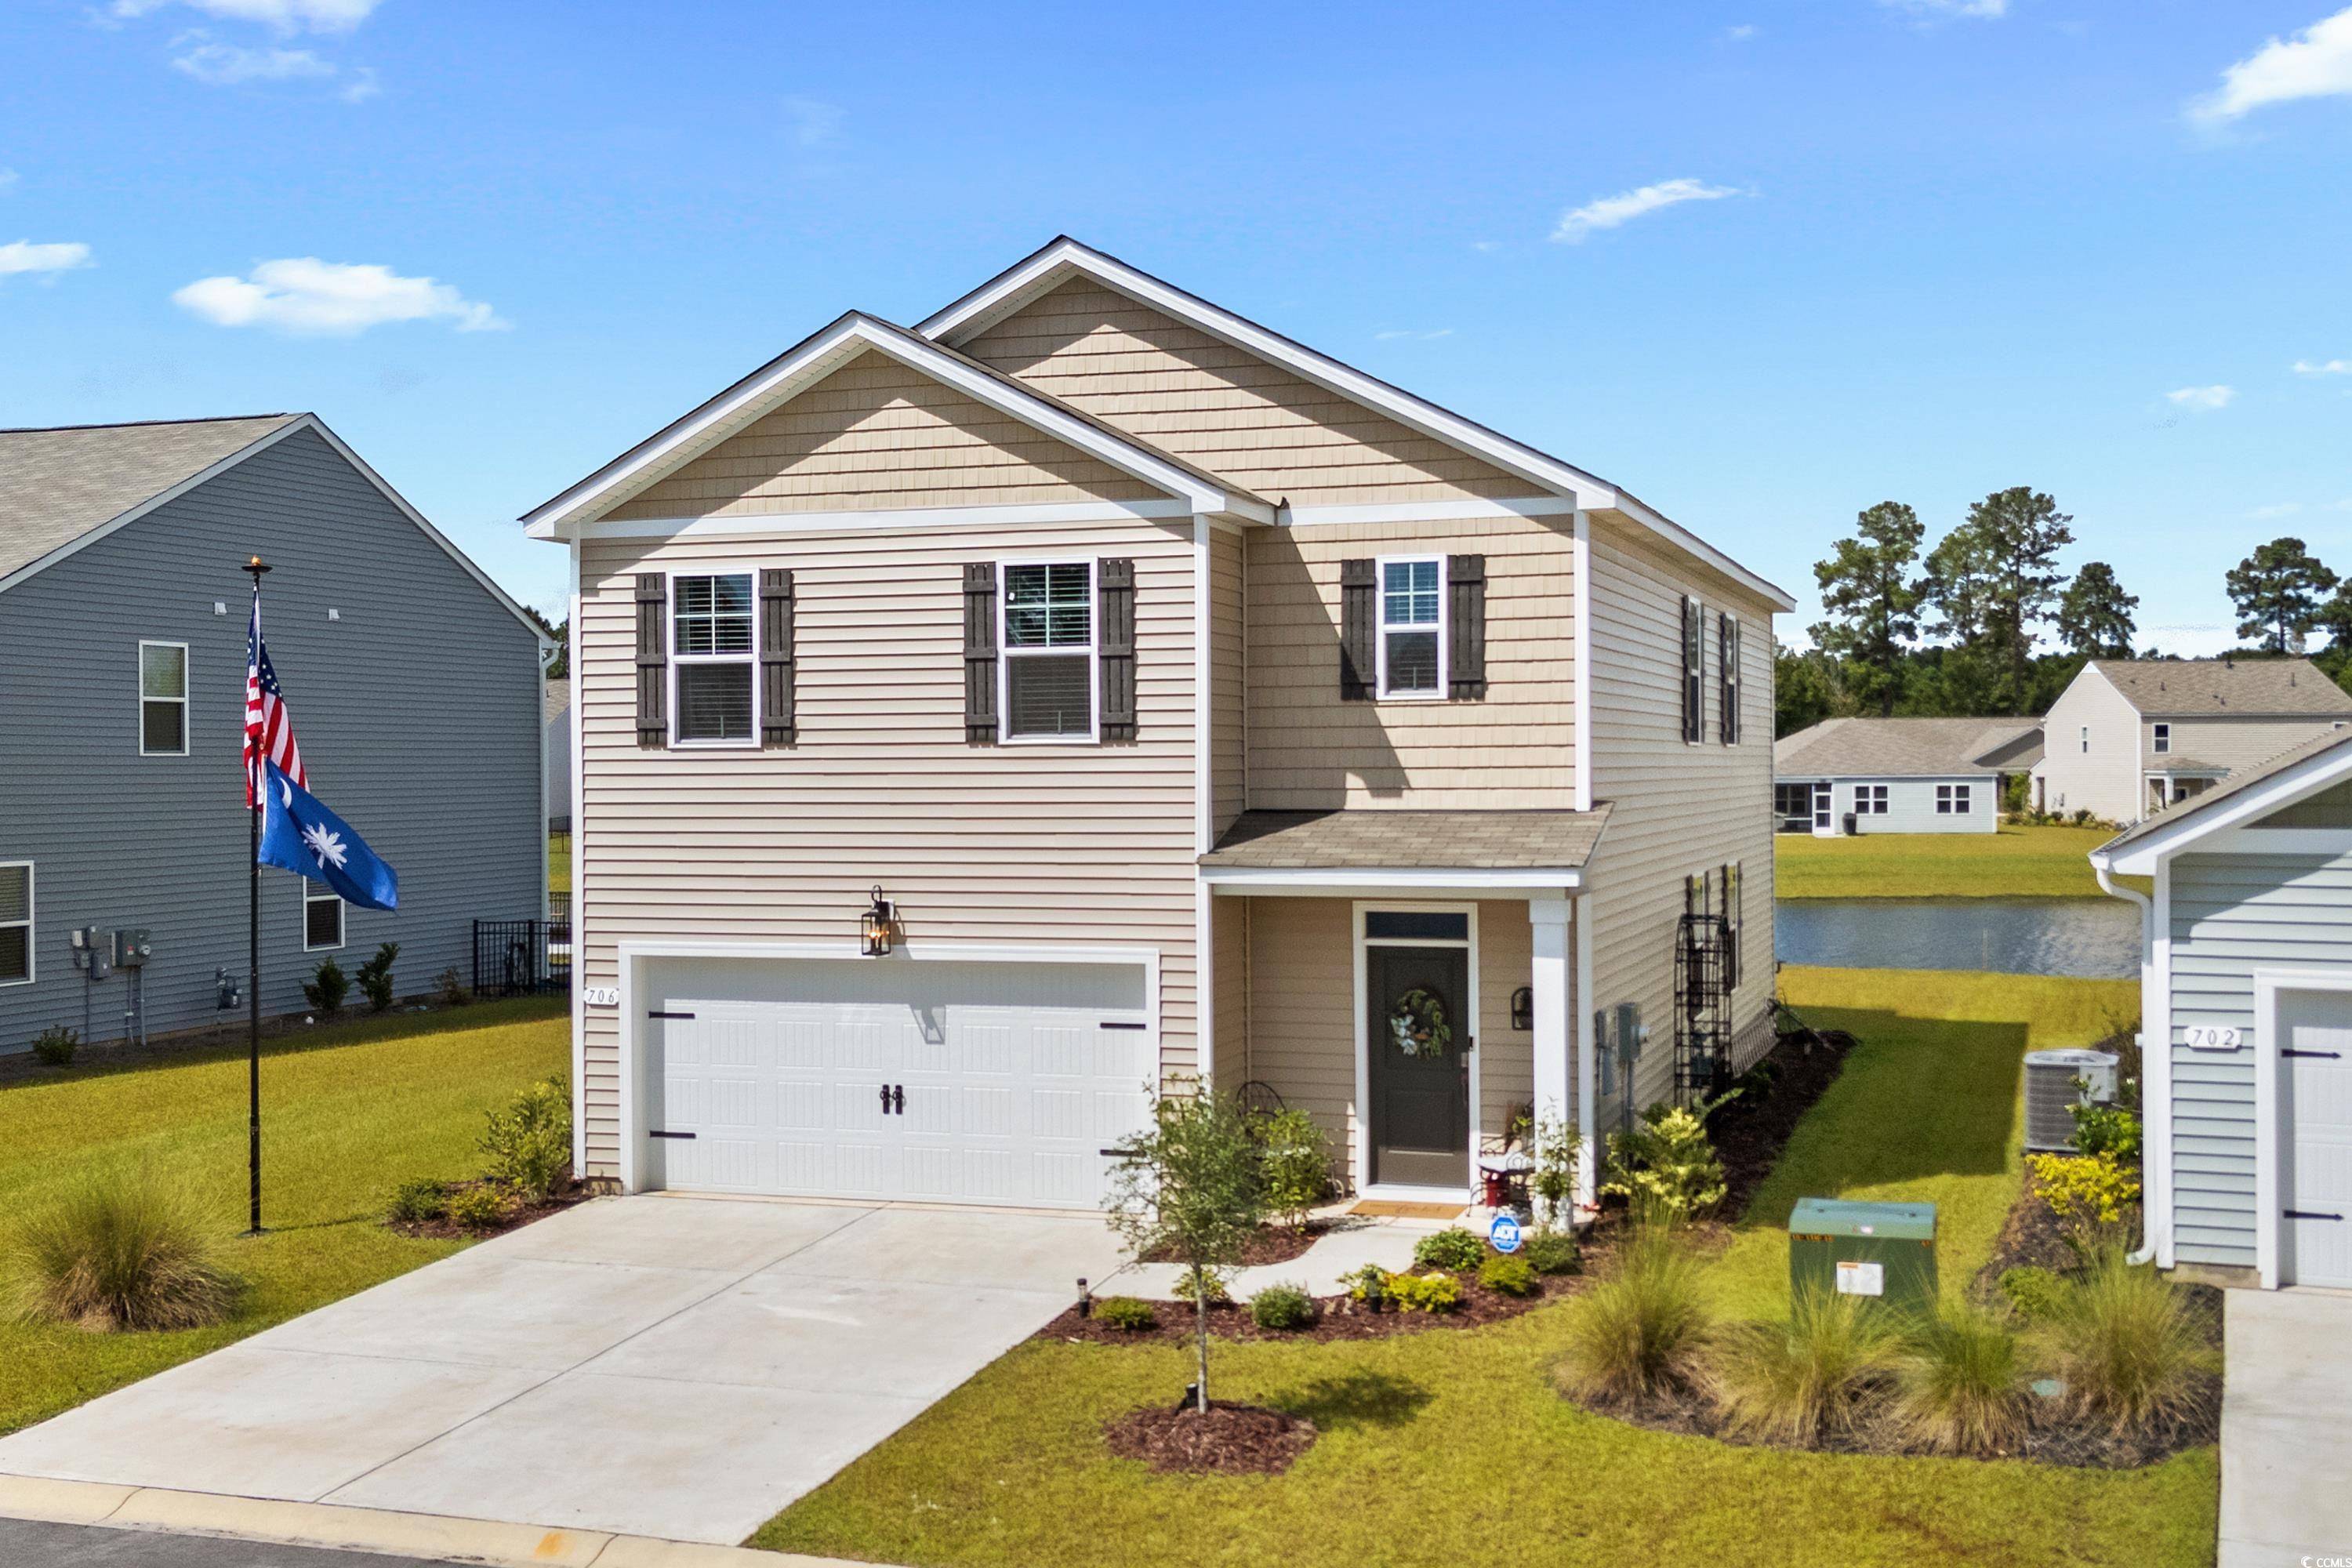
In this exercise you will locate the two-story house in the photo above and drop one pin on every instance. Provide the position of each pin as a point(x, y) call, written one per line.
point(413, 682)
point(2129, 737)
point(1172, 702)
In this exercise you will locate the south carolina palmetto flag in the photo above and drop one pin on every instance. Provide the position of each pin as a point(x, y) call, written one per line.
point(269, 728)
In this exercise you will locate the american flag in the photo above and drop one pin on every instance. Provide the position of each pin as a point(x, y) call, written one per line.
point(269, 728)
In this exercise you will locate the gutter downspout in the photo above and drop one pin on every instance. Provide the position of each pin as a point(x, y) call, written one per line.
point(2147, 1071)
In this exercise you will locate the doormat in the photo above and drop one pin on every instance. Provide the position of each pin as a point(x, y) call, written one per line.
point(1375, 1208)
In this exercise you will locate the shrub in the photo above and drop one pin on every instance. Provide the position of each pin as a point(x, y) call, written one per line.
point(479, 1208)
point(1127, 1313)
point(1960, 1383)
point(418, 1198)
point(54, 1048)
point(1511, 1276)
point(1554, 1145)
point(526, 1147)
point(1666, 1160)
point(1295, 1163)
point(1368, 1285)
point(327, 991)
point(1204, 1285)
point(2109, 1130)
point(375, 977)
point(1551, 1252)
point(2038, 1295)
point(449, 988)
point(1641, 1329)
point(123, 1251)
point(1283, 1306)
point(2130, 1347)
point(1794, 1381)
point(1434, 1293)
point(1454, 1250)
point(2087, 1192)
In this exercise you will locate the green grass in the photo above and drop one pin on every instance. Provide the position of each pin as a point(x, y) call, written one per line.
point(347, 1111)
point(1452, 1447)
point(2014, 863)
point(559, 865)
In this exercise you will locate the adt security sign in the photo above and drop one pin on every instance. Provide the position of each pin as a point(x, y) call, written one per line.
point(1503, 1233)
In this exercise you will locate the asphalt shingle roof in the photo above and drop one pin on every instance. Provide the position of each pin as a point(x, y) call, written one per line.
point(2235, 784)
point(1905, 748)
point(58, 485)
point(2188, 687)
point(1395, 840)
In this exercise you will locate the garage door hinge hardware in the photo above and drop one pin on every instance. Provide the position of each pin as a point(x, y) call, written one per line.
point(660, 1134)
point(2290, 1051)
point(894, 1100)
point(1109, 1023)
point(2310, 1213)
point(669, 1015)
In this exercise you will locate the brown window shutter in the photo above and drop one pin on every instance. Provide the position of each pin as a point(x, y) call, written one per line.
point(1727, 654)
point(653, 659)
point(1694, 710)
point(980, 653)
point(776, 658)
point(1465, 655)
point(1115, 605)
point(1358, 625)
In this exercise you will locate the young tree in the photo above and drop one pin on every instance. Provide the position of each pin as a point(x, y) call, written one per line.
point(2017, 535)
point(2277, 592)
point(1804, 690)
point(1872, 600)
point(1193, 1187)
point(2094, 614)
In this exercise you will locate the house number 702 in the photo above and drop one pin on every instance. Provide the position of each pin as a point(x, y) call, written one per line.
point(2213, 1037)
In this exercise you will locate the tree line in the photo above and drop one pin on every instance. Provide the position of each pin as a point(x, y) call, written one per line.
point(1957, 630)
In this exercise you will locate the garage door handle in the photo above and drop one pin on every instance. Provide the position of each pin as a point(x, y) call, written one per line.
point(2310, 1213)
point(2290, 1051)
point(669, 1015)
point(651, 1134)
point(898, 1100)
point(1107, 1023)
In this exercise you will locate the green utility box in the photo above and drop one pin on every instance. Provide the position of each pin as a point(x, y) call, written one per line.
point(1883, 1251)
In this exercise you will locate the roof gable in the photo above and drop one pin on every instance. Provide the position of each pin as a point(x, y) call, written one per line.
point(1906, 748)
point(2224, 688)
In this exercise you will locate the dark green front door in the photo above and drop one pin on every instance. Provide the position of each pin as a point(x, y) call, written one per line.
point(1420, 1090)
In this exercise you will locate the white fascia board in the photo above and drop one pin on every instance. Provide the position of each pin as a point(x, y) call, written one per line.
point(1305, 881)
point(2141, 857)
point(854, 334)
point(1066, 256)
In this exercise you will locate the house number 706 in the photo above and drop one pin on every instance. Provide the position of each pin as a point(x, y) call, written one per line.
point(601, 995)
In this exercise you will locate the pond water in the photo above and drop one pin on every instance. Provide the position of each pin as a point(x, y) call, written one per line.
point(2094, 938)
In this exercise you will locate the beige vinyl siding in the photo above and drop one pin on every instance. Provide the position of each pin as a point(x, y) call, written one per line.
point(878, 435)
point(1675, 808)
point(1506, 1056)
point(2104, 780)
point(2232, 743)
point(1230, 982)
point(1016, 845)
point(1228, 681)
point(1223, 408)
point(1310, 751)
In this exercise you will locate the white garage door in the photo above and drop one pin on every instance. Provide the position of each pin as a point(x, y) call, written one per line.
point(2316, 1063)
point(892, 1079)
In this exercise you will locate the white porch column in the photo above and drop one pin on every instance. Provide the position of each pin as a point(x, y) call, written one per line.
point(1547, 915)
point(1587, 1066)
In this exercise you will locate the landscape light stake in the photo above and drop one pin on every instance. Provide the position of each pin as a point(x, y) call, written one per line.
point(253, 962)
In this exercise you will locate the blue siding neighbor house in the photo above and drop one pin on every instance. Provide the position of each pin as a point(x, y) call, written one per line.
point(414, 684)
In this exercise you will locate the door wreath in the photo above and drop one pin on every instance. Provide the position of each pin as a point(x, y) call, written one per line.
point(1417, 1021)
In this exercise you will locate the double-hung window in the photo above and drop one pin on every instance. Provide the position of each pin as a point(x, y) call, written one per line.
point(16, 923)
point(162, 700)
point(1049, 651)
point(1952, 800)
point(2084, 739)
point(713, 654)
point(1870, 800)
point(1413, 626)
point(2161, 739)
point(322, 918)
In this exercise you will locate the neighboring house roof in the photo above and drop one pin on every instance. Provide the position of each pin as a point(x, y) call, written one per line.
point(2173, 763)
point(1907, 748)
point(2244, 688)
point(2316, 758)
point(67, 488)
point(554, 700)
point(59, 485)
point(1395, 841)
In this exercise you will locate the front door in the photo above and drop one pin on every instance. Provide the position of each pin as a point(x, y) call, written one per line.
point(2314, 1045)
point(1420, 1055)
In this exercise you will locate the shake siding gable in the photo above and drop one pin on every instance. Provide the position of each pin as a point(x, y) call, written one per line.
point(1225, 409)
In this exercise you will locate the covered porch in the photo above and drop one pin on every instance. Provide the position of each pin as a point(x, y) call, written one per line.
point(1412, 980)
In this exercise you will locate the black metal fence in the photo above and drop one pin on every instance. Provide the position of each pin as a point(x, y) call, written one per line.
point(521, 958)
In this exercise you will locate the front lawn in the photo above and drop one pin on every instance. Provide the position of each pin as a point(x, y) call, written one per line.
point(2014, 863)
point(1452, 1447)
point(347, 1111)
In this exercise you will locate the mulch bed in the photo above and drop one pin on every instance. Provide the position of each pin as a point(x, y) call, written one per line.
point(1337, 1318)
point(1750, 1132)
point(1227, 1439)
point(1268, 1244)
point(517, 1216)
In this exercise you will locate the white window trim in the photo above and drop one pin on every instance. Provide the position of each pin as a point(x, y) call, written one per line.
point(1872, 799)
point(1381, 628)
point(185, 681)
point(2273, 1121)
point(676, 660)
point(2160, 738)
point(1365, 1185)
point(342, 919)
point(1007, 654)
point(31, 922)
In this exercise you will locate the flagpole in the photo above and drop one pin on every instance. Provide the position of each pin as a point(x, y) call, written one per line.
point(252, 951)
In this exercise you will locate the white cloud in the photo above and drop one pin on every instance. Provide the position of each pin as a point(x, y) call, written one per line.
point(2315, 63)
point(226, 64)
point(2201, 399)
point(304, 294)
point(811, 123)
point(1988, 10)
point(7, 181)
point(361, 86)
point(1739, 33)
point(2323, 367)
point(1610, 211)
point(23, 256)
point(1393, 333)
point(1486, 246)
point(284, 15)
point(2274, 510)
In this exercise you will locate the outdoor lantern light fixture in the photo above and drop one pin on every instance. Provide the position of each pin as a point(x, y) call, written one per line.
point(878, 925)
point(1523, 1009)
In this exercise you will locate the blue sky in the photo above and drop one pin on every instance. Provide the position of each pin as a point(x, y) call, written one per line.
point(1920, 250)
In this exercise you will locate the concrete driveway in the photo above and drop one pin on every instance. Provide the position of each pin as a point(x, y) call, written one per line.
point(2286, 1446)
point(655, 1365)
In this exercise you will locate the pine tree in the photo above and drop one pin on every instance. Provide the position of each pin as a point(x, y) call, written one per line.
point(2015, 536)
point(2277, 592)
point(1873, 600)
point(2094, 614)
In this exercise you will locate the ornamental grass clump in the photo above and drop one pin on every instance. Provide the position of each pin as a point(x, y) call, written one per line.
point(1814, 1375)
point(122, 1251)
point(1961, 1383)
point(1642, 1331)
point(2132, 1349)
